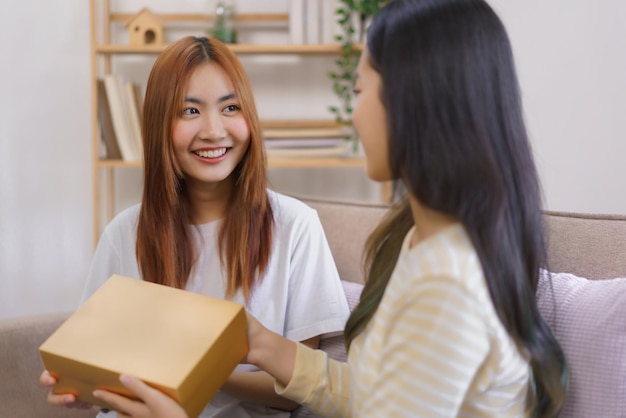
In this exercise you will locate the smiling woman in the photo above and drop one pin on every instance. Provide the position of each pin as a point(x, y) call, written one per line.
point(207, 222)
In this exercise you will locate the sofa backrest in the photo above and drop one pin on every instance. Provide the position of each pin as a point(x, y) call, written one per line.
point(347, 226)
point(591, 246)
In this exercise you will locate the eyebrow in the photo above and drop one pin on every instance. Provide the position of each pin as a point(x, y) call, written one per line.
point(226, 97)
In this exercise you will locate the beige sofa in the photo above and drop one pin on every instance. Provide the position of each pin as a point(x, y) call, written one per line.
point(590, 246)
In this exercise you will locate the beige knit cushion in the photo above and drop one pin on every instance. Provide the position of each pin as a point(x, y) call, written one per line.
point(588, 318)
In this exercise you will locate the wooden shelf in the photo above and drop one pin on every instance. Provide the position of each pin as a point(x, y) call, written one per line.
point(295, 162)
point(105, 21)
point(203, 17)
point(307, 49)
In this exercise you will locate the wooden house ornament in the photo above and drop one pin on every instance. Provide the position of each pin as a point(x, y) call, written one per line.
point(145, 28)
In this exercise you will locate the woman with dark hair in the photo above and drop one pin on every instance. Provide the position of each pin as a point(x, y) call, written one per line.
point(447, 323)
point(208, 223)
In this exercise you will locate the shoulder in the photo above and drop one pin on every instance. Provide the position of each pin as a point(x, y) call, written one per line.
point(123, 223)
point(288, 210)
point(449, 253)
point(449, 262)
point(445, 259)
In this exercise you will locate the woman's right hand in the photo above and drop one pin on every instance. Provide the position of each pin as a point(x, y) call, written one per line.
point(270, 351)
point(46, 380)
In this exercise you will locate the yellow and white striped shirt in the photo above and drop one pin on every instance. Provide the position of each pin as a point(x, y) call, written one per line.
point(434, 348)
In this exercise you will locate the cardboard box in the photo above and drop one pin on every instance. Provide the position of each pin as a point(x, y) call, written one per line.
point(184, 344)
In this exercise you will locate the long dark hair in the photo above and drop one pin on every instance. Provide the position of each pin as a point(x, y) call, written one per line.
point(165, 250)
point(458, 143)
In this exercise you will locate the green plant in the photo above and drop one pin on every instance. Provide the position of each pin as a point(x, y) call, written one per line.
point(349, 13)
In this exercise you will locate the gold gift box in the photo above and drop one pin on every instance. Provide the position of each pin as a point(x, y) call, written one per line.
point(182, 343)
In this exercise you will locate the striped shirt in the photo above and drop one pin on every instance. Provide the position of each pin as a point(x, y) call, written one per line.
point(434, 348)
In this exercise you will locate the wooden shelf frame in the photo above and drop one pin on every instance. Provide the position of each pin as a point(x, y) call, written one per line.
point(278, 49)
point(272, 162)
point(102, 51)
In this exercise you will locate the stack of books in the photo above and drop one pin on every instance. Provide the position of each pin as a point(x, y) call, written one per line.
point(306, 142)
point(119, 116)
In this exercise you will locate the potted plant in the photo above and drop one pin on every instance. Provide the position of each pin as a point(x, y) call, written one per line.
point(352, 16)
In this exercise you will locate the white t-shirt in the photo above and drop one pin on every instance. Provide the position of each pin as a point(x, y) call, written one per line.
point(299, 297)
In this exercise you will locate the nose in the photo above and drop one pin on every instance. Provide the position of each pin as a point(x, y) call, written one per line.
point(212, 127)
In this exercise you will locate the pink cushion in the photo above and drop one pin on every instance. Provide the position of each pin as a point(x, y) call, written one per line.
point(335, 346)
point(588, 318)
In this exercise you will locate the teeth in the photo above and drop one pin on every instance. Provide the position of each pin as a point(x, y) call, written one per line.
point(211, 153)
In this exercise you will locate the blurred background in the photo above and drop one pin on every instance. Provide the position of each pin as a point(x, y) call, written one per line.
point(572, 69)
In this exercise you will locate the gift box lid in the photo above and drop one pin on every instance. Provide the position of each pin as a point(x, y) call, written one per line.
point(183, 343)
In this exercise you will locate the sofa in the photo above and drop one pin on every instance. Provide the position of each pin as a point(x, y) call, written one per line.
point(581, 301)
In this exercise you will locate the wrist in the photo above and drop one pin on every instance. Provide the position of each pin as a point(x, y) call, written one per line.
point(274, 354)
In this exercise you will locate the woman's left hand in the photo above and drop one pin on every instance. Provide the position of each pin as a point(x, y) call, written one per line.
point(153, 403)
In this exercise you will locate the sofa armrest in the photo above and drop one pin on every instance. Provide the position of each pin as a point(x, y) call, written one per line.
point(20, 367)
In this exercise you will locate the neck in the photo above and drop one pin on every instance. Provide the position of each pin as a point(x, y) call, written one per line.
point(428, 222)
point(209, 202)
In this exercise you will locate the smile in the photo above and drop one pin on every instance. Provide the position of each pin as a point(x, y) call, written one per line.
point(214, 153)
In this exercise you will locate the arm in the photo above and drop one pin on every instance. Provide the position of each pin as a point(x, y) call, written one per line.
point(250, 386)
point(270, 351)
point(309, 374)
point(258, 387)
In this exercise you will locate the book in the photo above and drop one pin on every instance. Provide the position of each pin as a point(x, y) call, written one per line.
point(315, 152)
point(304, 143)
point(330, 132)
point(312, 21)
point(307, 147)
point(107, 131)
point(296, 21)
point(138, 100)
point(133, 115)
point(330, 27)
point(119, 116)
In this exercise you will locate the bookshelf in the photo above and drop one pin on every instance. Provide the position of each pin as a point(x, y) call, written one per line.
point(104, 21)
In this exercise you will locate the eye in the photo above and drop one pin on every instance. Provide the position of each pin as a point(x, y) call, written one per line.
point(190, 111)
point(232, 108)
point(356, 91)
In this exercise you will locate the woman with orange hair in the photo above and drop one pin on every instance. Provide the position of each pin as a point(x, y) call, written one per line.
point(208, 223)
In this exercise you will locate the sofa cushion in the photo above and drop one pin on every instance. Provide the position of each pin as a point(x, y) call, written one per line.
point(588, 317)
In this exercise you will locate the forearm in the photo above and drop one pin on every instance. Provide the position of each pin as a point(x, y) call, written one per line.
point(256, 387)
point(274, 354)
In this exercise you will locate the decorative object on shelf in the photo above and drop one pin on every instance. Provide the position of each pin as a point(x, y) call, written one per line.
point(145, 28)
point(352, 17)
point(224, 29)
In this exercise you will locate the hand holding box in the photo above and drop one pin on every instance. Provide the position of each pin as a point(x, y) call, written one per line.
point(182, 343)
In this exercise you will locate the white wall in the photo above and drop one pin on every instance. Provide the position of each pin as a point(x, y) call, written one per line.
point(572, 68)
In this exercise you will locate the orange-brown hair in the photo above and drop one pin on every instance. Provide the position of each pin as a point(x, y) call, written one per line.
point(165, 251)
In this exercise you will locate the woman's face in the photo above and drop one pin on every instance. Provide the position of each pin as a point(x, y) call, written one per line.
point(370, 120)
point(211, 134)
